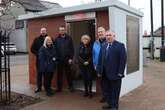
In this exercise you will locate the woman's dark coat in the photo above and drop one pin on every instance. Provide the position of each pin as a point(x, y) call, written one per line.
point(85, 55)
point(47, 59)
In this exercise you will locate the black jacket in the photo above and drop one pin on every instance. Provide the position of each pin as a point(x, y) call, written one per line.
point(85, 55)
point(47, 59)
point(102, 41)
point(64, 48)
point(37, 44)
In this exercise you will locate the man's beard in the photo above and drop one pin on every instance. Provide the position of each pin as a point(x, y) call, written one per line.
point(44, 35)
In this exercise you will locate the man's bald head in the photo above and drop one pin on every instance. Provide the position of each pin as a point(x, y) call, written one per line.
point(110, 35)
point(101, 32)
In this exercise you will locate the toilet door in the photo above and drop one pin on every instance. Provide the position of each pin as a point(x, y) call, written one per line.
point(76, 30)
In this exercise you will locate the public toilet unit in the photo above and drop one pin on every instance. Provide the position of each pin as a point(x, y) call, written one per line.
point(125, 21)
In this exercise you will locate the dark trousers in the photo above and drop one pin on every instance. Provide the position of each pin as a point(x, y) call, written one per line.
point(88, 86)
point(39, 76)
point(102, 88)
point(87, 79)
point(112, 91)
point(47, 81)
point(103, 85)
point(61, 69)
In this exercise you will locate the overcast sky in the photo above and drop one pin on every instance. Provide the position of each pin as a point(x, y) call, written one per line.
point(143, 5)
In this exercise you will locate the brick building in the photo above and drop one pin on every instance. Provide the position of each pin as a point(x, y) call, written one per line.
point(112, 14)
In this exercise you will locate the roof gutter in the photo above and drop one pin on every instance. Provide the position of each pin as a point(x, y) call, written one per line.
point(86, 7)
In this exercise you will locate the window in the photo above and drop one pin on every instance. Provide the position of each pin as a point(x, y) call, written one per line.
point(19, 24)
point(132, 44)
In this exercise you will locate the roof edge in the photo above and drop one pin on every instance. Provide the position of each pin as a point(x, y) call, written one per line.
point(84, 7)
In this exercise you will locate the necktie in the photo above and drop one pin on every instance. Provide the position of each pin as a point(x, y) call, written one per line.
point(107, 50)
point(106, 55)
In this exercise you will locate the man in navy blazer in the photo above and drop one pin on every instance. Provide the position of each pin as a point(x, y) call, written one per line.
point(111, 66)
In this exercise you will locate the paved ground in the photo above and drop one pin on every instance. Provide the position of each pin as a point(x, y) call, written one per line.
point(19, 59)
point(150, 96)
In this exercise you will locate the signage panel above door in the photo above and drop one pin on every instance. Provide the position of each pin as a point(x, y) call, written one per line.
point(80, 16)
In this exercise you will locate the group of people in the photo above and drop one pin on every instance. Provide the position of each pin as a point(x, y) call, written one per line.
point(106, 58)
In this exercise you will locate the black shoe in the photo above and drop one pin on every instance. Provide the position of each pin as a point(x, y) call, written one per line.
point(52, 91)
point(90, 95)
point(37, 90)
point(71, 89)
point(49, 94)
point(86, 94)
point(113, 109)
point(103, 100)
point(106, 107)
point(58, 90)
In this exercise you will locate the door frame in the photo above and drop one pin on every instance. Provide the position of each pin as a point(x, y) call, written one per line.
point(67, 24)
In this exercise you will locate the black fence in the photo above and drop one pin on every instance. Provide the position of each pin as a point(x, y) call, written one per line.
point(5, 89)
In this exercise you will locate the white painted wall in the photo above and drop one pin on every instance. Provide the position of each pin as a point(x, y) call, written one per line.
point(117, 18)
point(19, 35)
point(157, 43)
point(21, 41)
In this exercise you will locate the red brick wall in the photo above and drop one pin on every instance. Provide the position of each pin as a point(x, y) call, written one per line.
point(33, 31)
point(102, 20)
point(52, 25)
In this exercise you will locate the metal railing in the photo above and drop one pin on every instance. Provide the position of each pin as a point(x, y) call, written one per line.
point(5, 89)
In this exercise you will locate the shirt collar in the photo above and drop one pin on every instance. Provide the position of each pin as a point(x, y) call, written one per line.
point(102, 40)
point(112, 43)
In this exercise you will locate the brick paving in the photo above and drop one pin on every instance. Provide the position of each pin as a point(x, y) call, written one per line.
point(150, 96)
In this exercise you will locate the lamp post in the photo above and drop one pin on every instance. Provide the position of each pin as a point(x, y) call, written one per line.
point(162, 50)
point(129, 2)
point(162, 16)
point(152, 35)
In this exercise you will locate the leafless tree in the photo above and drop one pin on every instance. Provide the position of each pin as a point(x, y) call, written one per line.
point(4, 7)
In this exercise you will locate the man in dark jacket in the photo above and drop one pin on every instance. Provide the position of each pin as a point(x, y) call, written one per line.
point(36, 45)
point(111, 66)
point(65, 52)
